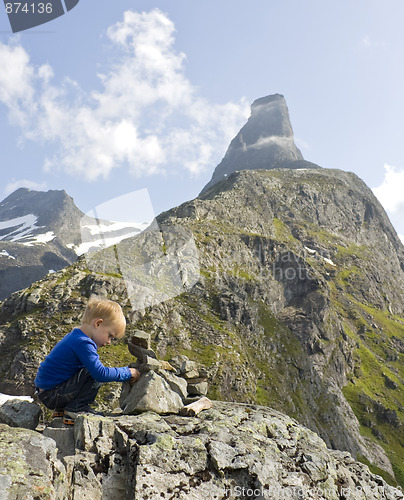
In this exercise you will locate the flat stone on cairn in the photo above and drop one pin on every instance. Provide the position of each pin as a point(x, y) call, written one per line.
point(140, 346)
point(141, 339)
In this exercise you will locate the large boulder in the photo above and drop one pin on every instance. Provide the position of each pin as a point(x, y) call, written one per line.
point(151, 393)
point(20, 413)
point(29, 468)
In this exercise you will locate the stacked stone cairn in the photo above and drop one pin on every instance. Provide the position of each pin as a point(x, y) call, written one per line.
point(175, 386)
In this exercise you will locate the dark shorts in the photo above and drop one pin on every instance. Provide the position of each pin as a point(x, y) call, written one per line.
point(74, 394)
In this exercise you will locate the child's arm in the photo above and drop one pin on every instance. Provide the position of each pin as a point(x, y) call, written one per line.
point(87, 353)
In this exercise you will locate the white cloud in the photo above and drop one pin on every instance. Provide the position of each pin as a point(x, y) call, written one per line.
point(391, 192)
point(12, 186)
point(302, 144)
point(146, 117)
point(367, 43)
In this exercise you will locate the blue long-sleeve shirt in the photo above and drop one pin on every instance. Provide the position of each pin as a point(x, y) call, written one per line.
point(75, 351)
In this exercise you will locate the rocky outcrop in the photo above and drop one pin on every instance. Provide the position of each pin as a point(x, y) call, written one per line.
point(264, 142)
point(230, 451)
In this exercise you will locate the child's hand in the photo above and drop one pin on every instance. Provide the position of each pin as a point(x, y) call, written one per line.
point(135, 375)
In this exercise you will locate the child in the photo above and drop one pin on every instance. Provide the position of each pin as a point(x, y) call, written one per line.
point(69, 378)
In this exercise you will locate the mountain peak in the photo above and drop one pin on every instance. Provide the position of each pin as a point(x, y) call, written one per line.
point(264, 142)
point(24, 195)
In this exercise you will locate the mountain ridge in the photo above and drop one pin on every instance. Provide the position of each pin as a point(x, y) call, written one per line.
point(229, 451)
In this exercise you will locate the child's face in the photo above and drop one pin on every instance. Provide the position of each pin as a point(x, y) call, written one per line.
point(103, 333)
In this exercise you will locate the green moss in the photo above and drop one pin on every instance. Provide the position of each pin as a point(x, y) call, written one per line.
point(240, 273)
point(321, 235)
point(67, 275)
point(263, 396)
point(376, 470)
point(277, 367)
point(283, 233)
point(29, 314)
point(165, 442)
point(116, 355)
point(347, 274)
point(360, 251)
point(392, 325)
point(364, 394)
point(109, 275)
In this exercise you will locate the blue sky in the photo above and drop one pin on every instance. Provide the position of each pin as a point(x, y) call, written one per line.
point(115, 97)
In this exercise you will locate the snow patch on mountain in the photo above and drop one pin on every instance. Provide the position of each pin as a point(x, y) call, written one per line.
point(39, 239)
point(6, 254)
point(103, 234)
point(23, 229)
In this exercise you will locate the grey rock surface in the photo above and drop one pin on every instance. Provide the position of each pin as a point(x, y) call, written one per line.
point(140, 352)
point(29, 467)
point(63, 436)
point(141, 339)
point(152, 392)
point(223, 452)
point(177, 384)
point(20, 413)
point(198, 389)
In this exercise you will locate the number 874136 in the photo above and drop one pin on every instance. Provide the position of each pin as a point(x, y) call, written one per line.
point(28, 8)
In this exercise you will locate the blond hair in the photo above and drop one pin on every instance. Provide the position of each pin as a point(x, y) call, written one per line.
point(108, 310)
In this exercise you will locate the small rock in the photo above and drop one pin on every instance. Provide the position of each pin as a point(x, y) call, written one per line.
point(64, 438)
point(150, 363)
point(20, 413)
point(141, 339)
point(177, 384)
point(177, 362)
point(391, 384)
point(189, 368)
point(192, 374)
point(198, 389)
point(141, 352)
point(165, 365)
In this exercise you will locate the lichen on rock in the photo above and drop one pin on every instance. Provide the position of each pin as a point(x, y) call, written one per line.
point(222, 452)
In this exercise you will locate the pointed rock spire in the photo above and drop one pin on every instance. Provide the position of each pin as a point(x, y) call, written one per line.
point(264, 142)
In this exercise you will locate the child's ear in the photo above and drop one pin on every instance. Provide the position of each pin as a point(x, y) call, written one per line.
point(98, 322)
